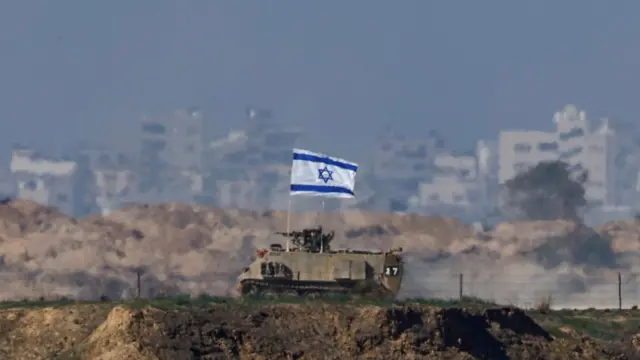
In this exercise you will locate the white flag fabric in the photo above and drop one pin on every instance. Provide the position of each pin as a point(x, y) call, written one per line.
point(315, 174)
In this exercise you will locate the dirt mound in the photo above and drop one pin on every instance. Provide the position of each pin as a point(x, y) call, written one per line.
point(624, 235)
point(631, 346)
point(23, 216)
point(286, 331)
point(41, 333)
point(179, 247)
point(196, 249)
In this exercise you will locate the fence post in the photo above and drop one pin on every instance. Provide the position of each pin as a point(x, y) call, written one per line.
point(460, 285)
point(138, 285)
point(619, 291)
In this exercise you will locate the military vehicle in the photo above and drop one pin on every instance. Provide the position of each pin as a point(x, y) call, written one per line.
point(312, 268)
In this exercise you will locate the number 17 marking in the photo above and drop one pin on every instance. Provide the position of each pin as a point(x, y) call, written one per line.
point(391, 271)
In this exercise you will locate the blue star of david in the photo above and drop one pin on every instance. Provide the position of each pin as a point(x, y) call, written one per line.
point(325, 174)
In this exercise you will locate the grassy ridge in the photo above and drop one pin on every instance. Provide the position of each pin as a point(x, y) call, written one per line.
point(602, 325)
point(185, 301)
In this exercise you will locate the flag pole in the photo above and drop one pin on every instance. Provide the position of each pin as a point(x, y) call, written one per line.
point(321, 218)
point(288, 222)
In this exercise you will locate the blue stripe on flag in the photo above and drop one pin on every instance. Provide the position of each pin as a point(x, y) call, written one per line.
point(321, 189)
point(324, 160)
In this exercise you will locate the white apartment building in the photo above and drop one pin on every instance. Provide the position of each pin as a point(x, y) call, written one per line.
point(599, 159)
point(520, 150)
point(454, 184)
point(461, 167)
point(571, 142)
point(45, 181)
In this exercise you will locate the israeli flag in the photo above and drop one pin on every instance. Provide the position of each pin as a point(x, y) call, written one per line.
point(314, 174)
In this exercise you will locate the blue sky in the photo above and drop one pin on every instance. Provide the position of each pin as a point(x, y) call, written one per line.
point(77, 69)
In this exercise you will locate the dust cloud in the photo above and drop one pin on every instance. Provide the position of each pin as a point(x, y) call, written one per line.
point(515, 281)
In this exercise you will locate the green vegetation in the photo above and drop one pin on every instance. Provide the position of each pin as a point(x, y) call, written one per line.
point(603, 325)
point(470, 303)
point(39, 303)
point(185, 301)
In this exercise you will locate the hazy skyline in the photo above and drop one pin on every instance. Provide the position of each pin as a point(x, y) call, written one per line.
point(75, 69)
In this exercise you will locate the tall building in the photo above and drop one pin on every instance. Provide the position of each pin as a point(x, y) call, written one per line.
point(599, 160)
point(573, 142)
point(400, 164)
point(573, 135)
point(171, 151)
point(520, 150)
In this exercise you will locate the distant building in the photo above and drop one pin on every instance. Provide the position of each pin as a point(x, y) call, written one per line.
point(449, 191)
point(464, 167)
point(113, 177)
point(622, 151)
point(45, 181)
point(250, 168)
point(171, 149)
point(520, 150)
point(454, 184)
point(400, 164)
point(598, 158)
point(573, 142)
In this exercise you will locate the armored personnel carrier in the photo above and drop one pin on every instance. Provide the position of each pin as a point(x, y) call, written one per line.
point(308, 266)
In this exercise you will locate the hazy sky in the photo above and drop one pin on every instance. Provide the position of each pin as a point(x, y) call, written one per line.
point(72, 70)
